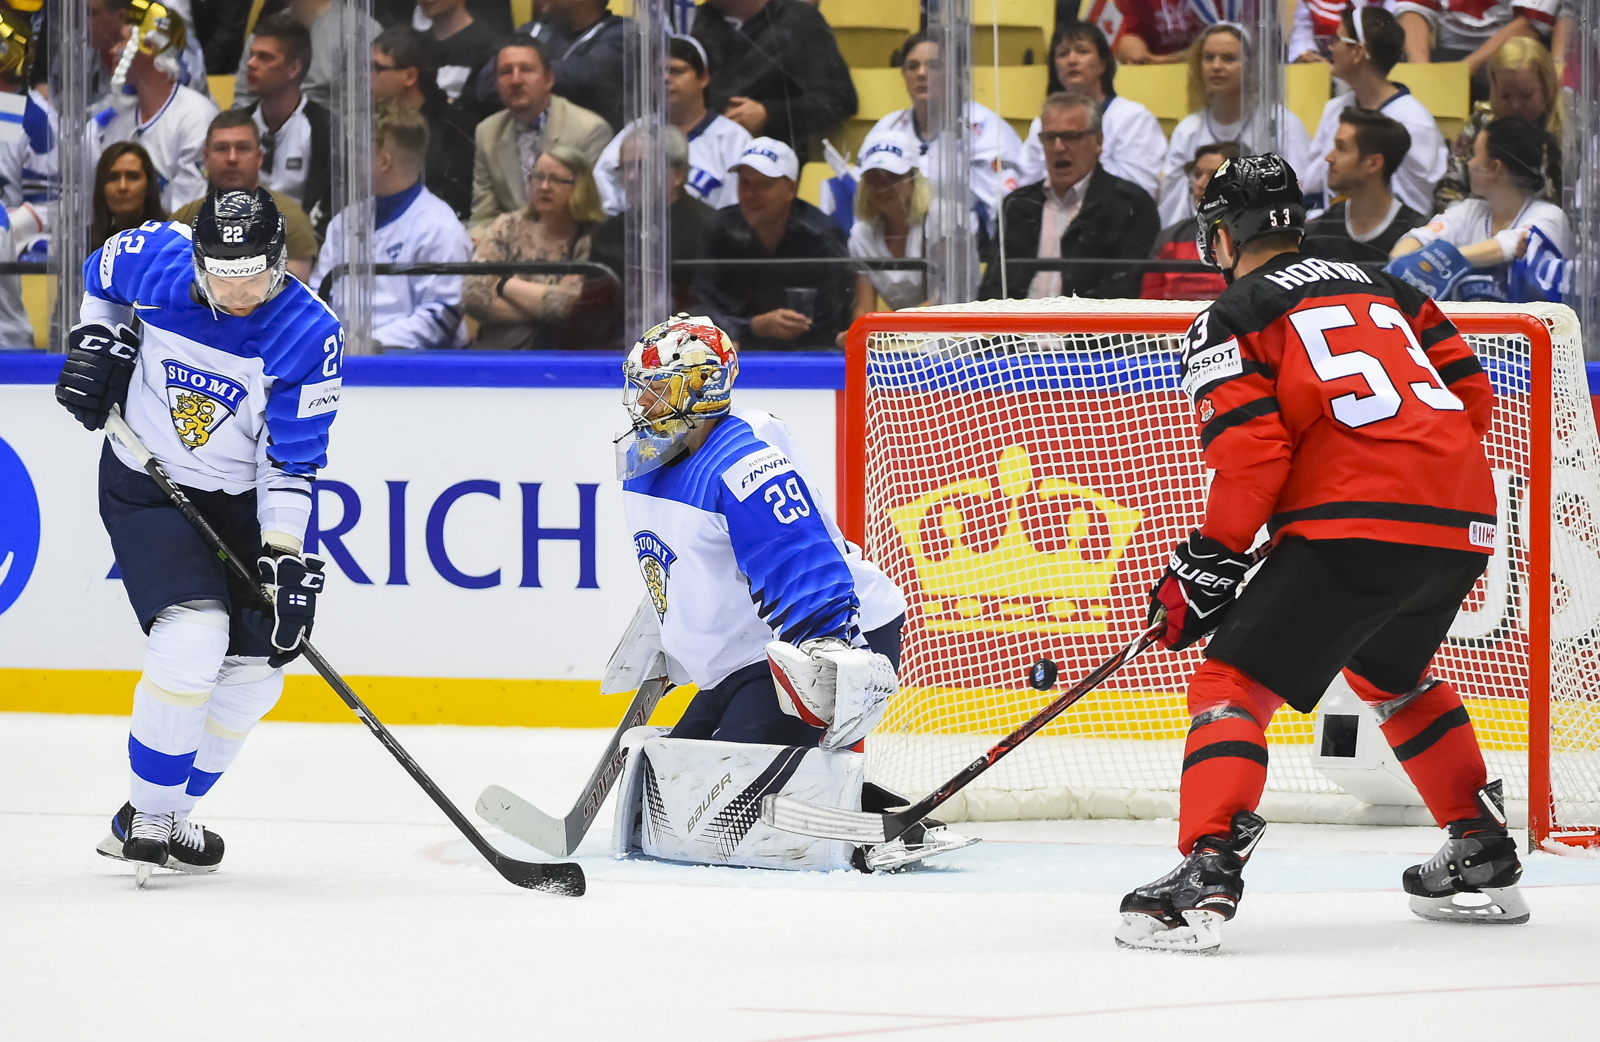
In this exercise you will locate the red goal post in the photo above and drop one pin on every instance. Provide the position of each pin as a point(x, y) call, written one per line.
point(1022, 467)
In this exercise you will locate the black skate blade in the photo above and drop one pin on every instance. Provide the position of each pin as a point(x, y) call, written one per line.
point(563, 878)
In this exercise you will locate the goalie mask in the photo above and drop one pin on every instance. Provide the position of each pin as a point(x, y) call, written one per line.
point(679, 375)
point(241, 255)
point(1251, 197)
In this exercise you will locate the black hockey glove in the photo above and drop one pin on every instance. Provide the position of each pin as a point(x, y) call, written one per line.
point(291, 584)
point(1199, 586)
point(99, 366)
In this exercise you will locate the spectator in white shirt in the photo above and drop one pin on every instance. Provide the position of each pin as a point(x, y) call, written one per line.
point(1364, 52)
point(168, 119)
point(996, 149)
point(891, 211)
point(1516, 171)
point(715, 141)
point(296, 139)
point(1134, 142)
point(1216, 74)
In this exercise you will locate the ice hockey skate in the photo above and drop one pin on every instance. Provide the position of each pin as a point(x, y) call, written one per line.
point(185, 847)
point(1473, 878)
point(1184, 910)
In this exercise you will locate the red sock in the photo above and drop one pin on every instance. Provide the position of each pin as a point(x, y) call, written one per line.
point(1433, 739)
point(1225, 757)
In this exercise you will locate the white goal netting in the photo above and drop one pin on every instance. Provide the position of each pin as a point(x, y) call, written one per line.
point(1024, 486)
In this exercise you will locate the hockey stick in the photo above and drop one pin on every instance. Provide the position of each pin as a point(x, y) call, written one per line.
point(809, 819)
point(556, 879)
point(560, 836)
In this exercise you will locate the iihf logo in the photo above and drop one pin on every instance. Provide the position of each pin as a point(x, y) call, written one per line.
point(655, 562)
point(200, 401)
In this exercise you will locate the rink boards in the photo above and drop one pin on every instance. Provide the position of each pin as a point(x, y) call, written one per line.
point(480, 570)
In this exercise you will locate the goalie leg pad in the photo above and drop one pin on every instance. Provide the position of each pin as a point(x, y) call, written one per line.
point(700, 802)
point(1225, 755)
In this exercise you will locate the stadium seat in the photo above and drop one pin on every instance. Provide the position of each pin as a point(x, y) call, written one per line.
point(878, 93)
point(1163, 89)
point(1021, 92)
point(221, 90)
point(1025, 27)
point(1307, 87)
point(1444, 87)
point(869, 34)
point(38, 299)
point(811, 177)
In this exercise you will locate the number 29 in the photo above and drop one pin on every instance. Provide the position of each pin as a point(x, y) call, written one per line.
point(775, 494)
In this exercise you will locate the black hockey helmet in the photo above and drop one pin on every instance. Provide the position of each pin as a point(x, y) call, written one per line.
point(1251, 197)
point(241, 254)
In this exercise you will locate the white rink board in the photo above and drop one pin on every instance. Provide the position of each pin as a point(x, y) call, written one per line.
point(70, 616)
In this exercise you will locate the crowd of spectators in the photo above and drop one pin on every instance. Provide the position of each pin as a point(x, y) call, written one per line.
point(499, 146)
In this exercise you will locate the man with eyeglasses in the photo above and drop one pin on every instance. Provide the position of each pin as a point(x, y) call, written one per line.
point(405, 72)
point(233, 159)
point(295, 131)
point(1079, 211)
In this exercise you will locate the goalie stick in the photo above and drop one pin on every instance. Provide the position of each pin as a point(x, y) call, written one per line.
point(560, 836)
point(556, 879)
point(809, 819)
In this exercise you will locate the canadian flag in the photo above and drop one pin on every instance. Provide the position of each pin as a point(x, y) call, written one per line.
point(1105, 16)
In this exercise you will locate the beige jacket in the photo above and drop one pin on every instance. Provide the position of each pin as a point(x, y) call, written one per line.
point(499, 184)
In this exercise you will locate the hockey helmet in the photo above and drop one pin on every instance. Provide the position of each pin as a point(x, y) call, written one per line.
point(1251, 197)
point(679, 375)
point(241, 255)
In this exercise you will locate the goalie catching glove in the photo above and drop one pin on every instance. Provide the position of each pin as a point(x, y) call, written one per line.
point(1199, 586)
point(99, 366)
point(290, 584)
point(827, 682)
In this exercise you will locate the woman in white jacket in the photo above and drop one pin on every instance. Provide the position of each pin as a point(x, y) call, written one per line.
point(1216, 73)
point(1134, 141)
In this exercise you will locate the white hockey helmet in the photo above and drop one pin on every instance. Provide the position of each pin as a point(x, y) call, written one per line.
point(679, 375)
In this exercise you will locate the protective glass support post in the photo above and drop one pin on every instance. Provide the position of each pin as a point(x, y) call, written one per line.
point(69, 72)
point(351, 176)
point(643, 172)
point(951, 248)
point(1581, 159)
point(1262, 93)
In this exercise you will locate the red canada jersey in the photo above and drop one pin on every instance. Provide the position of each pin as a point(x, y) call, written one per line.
point(1334, 403)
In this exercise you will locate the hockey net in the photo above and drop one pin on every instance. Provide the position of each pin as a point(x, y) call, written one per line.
point(1021, 469)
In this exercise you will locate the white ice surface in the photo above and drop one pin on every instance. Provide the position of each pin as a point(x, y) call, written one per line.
point(348, 908)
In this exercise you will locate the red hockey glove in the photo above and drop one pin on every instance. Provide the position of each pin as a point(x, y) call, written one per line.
point(1199, 586)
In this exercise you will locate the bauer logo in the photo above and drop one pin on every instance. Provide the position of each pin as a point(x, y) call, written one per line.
point(655, 562)
point(1020, 552)
point(1211, 364)
point(201, 401)
point(19, 526)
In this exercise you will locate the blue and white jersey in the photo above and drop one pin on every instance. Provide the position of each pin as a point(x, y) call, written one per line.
point(224, 402)
point(734, 549)
point(175, 137)
point(714, 145)
point(30, 168)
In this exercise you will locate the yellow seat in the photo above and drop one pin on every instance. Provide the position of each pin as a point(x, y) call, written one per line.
point(1025, 27)
point(1022, 89)
point(38, 300)
point(869, 35)
point(811, 177)
point(1444, 88)
point(221, 90)
point(1307, 86)
point(1163, 89)
point(878, 93)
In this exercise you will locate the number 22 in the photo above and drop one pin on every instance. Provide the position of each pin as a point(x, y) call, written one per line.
point(775, 495)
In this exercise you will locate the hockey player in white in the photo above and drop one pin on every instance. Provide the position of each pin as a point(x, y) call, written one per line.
point(228, 370)
point(736, 551)
point(29, 182)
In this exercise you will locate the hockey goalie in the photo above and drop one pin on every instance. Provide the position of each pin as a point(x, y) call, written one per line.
point(792, 638)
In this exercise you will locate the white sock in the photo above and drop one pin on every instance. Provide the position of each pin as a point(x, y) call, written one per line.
point(247, 689)
point(187, 644)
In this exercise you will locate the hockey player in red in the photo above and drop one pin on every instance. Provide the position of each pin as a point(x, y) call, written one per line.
point(1342, 411)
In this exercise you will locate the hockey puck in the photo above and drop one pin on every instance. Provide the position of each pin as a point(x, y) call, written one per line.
point(1043, 675)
